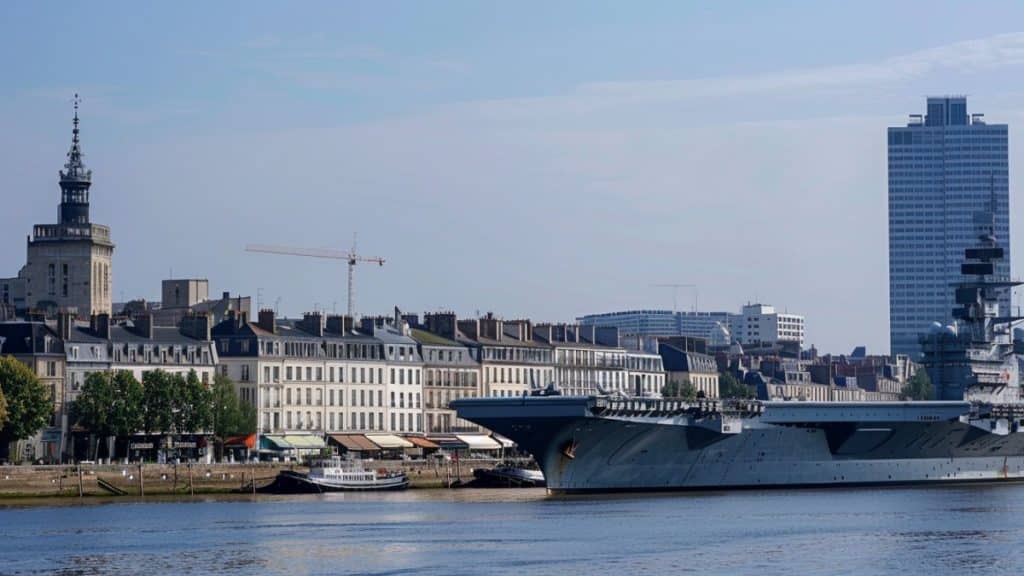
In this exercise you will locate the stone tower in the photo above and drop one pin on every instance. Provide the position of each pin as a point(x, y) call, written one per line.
point(69, 263)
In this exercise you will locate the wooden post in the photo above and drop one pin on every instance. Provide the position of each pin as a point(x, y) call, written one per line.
point(191, 488)
point(142, 485)
point(80, 490)
point(252, 473)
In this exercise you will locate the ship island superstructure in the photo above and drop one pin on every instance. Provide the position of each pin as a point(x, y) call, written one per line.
point(971, 433)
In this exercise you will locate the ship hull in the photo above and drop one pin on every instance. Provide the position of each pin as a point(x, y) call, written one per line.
point(579, 451)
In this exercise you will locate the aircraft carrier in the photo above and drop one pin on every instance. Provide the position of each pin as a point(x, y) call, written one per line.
point(973, 432)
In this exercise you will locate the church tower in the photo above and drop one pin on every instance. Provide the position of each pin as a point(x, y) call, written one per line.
point(69, 263)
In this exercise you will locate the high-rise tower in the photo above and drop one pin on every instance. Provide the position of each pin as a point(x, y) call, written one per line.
point(69, 263)
point(944, 167)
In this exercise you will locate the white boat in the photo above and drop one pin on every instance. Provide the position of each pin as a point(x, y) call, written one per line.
point(337, 475)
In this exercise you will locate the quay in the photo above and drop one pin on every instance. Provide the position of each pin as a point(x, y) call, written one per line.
point(72, 481)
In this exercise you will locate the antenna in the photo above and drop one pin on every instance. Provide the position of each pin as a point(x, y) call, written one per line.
point(675, 293)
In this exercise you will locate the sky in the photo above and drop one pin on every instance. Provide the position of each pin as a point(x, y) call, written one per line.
point(533, 159)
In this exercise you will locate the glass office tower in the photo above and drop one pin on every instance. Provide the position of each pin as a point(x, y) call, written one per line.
point(946, 169)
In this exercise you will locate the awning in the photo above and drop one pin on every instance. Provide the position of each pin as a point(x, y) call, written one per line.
point(422, 442)
point(479, 442)
point(449, 442)
point(274, 443)
point(505, 442)
point(305, 441)
point(389, 441)
point(244, 441)
point(355, 442)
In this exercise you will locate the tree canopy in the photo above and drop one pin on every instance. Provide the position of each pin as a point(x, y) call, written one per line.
point(685, 390)
point(110, 404)
point(730, 387)
point(28, 403)
point(919, 387)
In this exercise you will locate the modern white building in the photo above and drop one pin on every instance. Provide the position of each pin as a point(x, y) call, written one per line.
point(761, 324)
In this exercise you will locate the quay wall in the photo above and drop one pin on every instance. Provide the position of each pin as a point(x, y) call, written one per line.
point(167, 479)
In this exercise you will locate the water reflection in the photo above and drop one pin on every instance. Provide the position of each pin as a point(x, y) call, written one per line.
point(936, 530)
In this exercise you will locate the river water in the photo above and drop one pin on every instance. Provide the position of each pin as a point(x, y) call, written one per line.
point(940, 530)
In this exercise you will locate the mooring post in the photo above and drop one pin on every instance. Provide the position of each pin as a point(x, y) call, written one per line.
point(80, 490)
point(142, 485)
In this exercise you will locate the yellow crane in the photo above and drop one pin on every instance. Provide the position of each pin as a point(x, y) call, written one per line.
point(350, 256)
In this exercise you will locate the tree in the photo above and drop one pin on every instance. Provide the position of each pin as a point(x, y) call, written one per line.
point(110, 404)
point(193, 404)
point(3, 410)
point(28, 402)
point(919, 387)
point(157, 402)
point(685, 391)
point(730, 387)
point(230, 415)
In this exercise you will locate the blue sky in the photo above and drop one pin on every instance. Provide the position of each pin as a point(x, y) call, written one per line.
point(534, 159)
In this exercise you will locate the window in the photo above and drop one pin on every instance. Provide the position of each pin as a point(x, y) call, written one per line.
point(245, 372)
point(51, 280)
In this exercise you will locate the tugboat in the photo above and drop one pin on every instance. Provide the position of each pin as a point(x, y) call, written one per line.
point(336, 475)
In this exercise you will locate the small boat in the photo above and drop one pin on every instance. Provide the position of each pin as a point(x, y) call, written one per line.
point(507, 476)
point(336, 475)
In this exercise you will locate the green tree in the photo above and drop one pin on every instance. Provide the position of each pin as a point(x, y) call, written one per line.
point(730, 387)
point(3, 409)
point(110, 404)
point(29, 406)
point(685, 391)
point(158, 402)
point(919, 387)
point(230, 415)
point(193, 408)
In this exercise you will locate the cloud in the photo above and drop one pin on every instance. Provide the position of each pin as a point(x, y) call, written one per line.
point(967, 56)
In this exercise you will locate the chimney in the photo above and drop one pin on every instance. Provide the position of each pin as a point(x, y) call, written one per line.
point(196, 326)
point(266, 320)
point(99, 324)
point(313, 323)
point(443, 324)
point(366, 325)
point(543, 332)
point(335, 324)
point(413, 320)
point(65, 324)
point(470, 328)
point(518, 329)
point(348, 324)
point(225, 296)
point(143, 324)
point(490, 327)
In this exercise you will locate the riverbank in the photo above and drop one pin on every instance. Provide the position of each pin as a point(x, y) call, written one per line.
point(133, 479)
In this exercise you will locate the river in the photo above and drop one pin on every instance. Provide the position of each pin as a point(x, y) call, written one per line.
point(937, 530)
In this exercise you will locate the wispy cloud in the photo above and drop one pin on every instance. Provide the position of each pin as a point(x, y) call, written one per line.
point(967, 56)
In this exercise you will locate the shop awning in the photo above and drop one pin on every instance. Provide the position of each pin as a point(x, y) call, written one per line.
point(505, 442)
point(449, 442)
point(305, 441)
point(389, 441)
point(422, 442)
point(355, 442)
point(274, 443)
point(244, 441)
point(479, 442)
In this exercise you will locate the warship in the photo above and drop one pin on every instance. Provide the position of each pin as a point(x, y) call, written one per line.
point(972, 432)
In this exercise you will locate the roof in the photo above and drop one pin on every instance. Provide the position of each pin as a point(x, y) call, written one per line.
point(431, 339)
point(389, 441)
point(21, 338)
point(355, 442)
point(121, 334)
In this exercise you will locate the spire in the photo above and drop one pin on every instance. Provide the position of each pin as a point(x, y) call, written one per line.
point(74, 169)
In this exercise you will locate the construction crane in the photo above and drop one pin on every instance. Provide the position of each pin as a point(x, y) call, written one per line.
point(675, 293)
point(351, 256)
